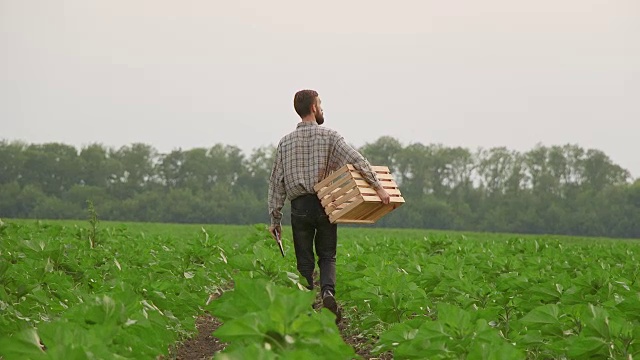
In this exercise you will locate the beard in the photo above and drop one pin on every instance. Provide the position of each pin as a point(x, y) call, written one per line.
point(319, 118)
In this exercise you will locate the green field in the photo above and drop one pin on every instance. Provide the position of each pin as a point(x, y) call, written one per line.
point(132, 290)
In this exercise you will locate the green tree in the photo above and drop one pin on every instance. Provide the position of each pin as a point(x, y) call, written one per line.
point(383, 152)
point(255, 179)
point(557, 189)
point(96, 167)
point(134, 169)
point(170, 169)
point(52, 167)
point(12, 158)
point(600, 171)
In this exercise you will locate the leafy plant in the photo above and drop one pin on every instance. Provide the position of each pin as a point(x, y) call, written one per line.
point(279, 320)
point(93, 221)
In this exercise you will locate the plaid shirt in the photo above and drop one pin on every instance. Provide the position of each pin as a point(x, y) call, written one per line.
point(305, 157)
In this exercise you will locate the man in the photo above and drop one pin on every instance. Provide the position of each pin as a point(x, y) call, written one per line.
point(303, 158)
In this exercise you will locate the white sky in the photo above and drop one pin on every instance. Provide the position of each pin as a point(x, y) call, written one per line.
point(184, 74)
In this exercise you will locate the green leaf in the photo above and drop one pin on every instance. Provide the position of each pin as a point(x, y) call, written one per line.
point(423, 349)
point(631, 307)
point(248, 328)
point(435, 331)
point(248, 295)
point(398, 334)
point(257, 351)
point(585, 347)
point(532, 337)
point(545, 314)
point(597, 323)
point(454, 317)
point(289, 304)
point(23, 345)
point(485, 333)
point(545, 293)
point(497, 350)
point(4, 267)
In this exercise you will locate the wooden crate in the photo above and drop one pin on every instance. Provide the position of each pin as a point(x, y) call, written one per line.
point(348, 199)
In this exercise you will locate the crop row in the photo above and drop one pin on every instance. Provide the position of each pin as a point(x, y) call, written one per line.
point(134, 290)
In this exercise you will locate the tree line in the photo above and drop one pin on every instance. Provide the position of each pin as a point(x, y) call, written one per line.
point(548, 189)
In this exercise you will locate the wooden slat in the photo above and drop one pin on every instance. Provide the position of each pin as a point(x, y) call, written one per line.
point(377, 199)
point(382, 169)
point(338, 193)
point(361, 211)
point(382, 177)
point(388, 182)
point(375, 168)
point(385, 184)
point(366, 214)
point(362, 183)
point(329, 196)
point(353, 221)
point(327, 190)
point(380, 213)
point(377, 213)
point(331, 177)
point(393, 207)
point(336, 214)
point(357, 175)
point(385, 177)
point(333, 186)
point(396, 199)
point(368, 211)
point(372, 191)
point(346, 197)
point(379, 170)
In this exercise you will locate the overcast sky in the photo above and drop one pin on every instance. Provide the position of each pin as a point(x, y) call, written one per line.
point(184, 74)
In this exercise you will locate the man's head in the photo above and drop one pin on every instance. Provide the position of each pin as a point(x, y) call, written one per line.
point(307, 103)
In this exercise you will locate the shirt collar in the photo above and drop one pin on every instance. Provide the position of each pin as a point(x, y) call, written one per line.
point(306, 123)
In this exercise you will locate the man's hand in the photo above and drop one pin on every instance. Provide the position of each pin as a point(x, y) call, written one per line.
point(384, 195)
point(273, 229)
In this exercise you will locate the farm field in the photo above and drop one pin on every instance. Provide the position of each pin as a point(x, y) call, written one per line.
point(72, 290)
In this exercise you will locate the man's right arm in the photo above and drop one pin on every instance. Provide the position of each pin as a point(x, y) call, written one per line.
point(277, 193)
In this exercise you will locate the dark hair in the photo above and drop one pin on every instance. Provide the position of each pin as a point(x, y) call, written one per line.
point(303, 100)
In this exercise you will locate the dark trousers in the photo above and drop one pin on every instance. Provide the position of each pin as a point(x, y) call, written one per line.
point(310, 223)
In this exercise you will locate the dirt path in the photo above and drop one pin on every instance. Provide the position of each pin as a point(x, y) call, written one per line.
point(204, 345)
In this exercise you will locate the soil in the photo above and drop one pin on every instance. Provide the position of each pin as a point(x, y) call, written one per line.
point(203, 345)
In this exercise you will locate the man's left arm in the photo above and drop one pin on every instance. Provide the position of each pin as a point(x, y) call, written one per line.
point(346, 154)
